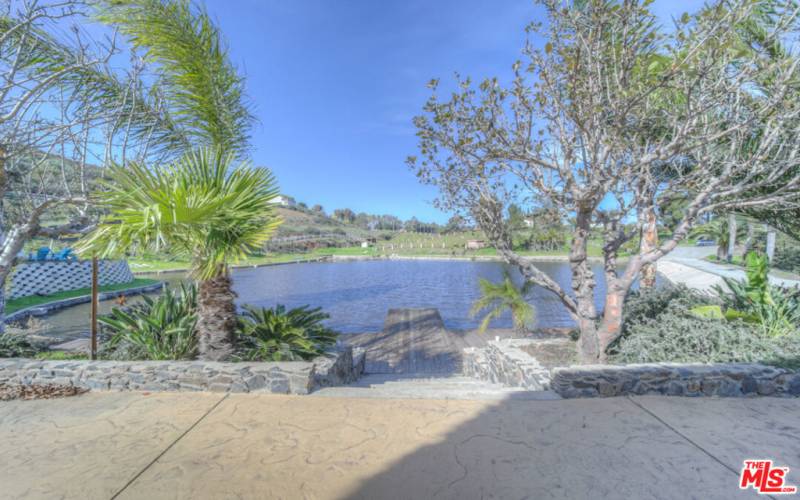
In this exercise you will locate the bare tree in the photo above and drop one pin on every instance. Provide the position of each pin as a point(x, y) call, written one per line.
point(63, 115)
point(610, 119)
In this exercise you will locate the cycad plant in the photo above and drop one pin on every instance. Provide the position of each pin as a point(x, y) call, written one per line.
point(275, 334)
point(159, 328)
point(201, 207)
point(503, 296)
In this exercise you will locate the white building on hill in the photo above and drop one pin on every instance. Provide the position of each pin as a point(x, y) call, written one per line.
point(284, 200)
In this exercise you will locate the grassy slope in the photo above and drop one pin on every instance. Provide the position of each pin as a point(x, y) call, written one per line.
point(388, 243)
point(37, 300)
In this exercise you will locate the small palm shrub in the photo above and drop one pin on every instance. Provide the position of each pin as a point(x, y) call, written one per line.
point(275, 334)
point(159, 328)
point(16, 346)
point(502, 296)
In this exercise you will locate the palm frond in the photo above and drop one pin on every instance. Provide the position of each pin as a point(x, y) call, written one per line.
point(94, 85)
point(205, 92)
point(502, 296)
point(201, 207)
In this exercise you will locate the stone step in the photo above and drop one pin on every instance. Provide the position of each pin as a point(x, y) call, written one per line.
point(392, 386)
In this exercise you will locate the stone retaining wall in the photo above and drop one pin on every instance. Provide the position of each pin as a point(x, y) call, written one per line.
point(297, 377)
point(504, 362)
point(49, 277)
point(673, 379)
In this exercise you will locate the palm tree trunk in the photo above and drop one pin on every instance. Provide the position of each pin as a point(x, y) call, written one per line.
point(731, 237)
point(216, 318)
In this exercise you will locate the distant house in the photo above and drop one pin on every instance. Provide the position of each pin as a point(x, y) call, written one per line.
point(475, 244)
point(284, 200)
point(368, 242)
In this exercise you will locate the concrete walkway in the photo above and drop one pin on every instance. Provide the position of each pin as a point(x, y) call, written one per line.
point(687, 265)
point(203, 445)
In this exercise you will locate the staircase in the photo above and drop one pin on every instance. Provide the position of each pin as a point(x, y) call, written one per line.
point(416, 357)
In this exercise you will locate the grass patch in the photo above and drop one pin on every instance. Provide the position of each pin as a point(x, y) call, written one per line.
point(61, 355)
point(14, 305)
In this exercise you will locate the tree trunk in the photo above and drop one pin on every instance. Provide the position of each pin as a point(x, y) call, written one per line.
point(611, 325)
point(583, 283)
point(3, 306)
point(216, 318)
point(649, 242)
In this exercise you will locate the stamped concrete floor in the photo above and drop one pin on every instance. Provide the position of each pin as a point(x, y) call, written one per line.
point(135, 445)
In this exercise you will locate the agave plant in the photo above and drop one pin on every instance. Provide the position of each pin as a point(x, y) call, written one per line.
point(503, 296)
point(159, 328)
point(275, 334)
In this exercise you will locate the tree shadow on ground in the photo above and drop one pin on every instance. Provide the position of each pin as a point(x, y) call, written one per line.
point(575, 449)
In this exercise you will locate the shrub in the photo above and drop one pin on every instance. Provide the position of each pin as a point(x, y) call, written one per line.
point(646, 304)
point(279, 335)
point(662, 325)
point(159, 328)
point(677, 337)
point(775, 309)
point(16, 346)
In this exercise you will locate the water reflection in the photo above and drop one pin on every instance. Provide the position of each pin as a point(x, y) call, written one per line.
point(358, 294)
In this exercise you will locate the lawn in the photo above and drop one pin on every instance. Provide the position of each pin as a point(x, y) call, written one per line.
point(14, 305)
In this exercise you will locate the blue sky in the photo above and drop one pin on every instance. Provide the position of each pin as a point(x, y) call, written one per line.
point(335, 85)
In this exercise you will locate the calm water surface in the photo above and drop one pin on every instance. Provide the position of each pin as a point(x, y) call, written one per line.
point(358, 294)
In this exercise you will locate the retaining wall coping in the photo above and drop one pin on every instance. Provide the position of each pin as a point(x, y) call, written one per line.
point(48, 307)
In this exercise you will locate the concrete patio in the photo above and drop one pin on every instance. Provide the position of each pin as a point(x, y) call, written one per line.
point(203, 445)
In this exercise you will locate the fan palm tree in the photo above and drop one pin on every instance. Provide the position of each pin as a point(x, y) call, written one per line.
point(202, 207)
point(205, 205)
point(503, 296)
point(717, 230)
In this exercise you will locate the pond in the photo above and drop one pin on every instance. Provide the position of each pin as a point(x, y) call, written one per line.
point(358, 294)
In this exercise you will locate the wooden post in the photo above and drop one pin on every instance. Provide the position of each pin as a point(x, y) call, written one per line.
point(95, 300)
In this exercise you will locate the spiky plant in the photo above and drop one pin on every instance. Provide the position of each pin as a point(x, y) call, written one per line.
point(159, 328)
point(204, 92)
point(202, 207)
point(275, 334)
point(501, 297)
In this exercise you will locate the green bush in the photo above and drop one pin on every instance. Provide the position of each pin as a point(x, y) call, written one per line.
point(775, 309)
point(660, 326)
point(643, 305)
point(279, 335)
point(159, 328)
point(16, 346)
point(680, 338)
